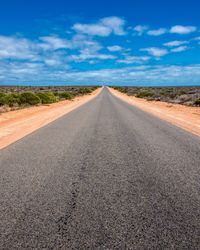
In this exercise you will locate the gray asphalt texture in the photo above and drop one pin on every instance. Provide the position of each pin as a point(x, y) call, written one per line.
point(105, 176)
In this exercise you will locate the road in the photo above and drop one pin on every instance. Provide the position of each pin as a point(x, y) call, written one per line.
point(105, 176)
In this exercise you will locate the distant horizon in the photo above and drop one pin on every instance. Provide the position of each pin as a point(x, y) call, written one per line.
point(101, 85)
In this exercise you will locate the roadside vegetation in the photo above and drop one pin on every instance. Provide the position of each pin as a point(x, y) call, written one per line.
point(181, 95)
point(12, 98)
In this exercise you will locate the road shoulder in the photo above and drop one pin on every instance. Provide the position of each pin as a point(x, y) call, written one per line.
point(14, 125)
point(185, 117)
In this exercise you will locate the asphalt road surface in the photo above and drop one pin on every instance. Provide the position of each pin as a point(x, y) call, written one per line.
point(105, 176)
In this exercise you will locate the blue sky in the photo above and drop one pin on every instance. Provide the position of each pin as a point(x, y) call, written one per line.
point(99, 42)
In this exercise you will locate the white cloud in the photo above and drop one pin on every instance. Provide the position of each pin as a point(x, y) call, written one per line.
point(104, 27)
point(84, 56)
point(54, 42)
point(179, 49)
point(80, 41)
point(175, 43)
point(51, 62)
point(20, 70)
point(17, 48)
point(55, 59)
point(87, 54)
point(134, 59)
point(47, 50)
point(157, 52)
point(157, 32)
point(92, 29)
point(114, 48)
point(116, 24)
point(25, 68)
point(179, 29)
point(140, 29)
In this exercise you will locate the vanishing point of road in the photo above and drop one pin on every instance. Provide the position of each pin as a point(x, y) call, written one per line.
point(105, 176)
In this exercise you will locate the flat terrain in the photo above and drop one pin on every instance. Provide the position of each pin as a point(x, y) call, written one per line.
point(105, 176)
point(36, 89)
point(189, 96)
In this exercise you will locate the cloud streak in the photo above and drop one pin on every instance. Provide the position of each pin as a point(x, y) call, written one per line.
point(104, 27)
point(179, 49)
point(182, 30)
point(175, 43)
point(156, 52)
point(114, 48)
point(134, 60)
point(158, 32)
point(137, 75)
point(176, 29)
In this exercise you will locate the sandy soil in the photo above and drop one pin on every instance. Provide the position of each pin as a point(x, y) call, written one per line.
point(182, 116)
point(14, 125)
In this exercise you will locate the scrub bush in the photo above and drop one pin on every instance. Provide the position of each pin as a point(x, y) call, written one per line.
point(65, 95)
point(10, 99)
point(197, 102)
point(144, 94)
point(47, 97)
point(29, 98)
point(84, 91)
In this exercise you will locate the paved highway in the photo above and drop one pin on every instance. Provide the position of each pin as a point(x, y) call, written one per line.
point(105, 176)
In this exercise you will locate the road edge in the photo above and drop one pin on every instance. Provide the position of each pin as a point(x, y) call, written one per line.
point(183, 124)
point(23, 130)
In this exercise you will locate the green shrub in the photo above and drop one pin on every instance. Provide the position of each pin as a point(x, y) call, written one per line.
point(197, 102)
point(65, 95)
point(144, 94)
point(2, 94)
point(29, 98)
point(47, 97)
point(3, 100)
point(163, 93)
point(84, 91)
point(10, 99)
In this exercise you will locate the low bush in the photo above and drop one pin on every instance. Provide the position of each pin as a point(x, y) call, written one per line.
point(29, 98)
point(65, 95)
point(84, 91)
point(2, 99)
point(163, 93)
point(47, 97)
point(197, 102)
point(10, 99)
point(144, 94)
point(2, 94)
